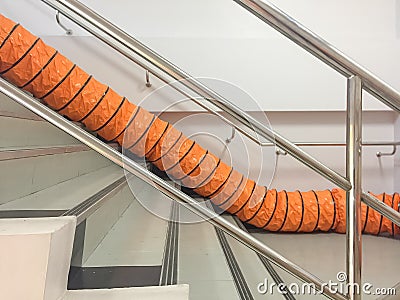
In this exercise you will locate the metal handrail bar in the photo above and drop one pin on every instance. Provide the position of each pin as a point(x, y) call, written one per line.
point(74, 10)
point(137, 170)
point(323, 50)
point(354, 174)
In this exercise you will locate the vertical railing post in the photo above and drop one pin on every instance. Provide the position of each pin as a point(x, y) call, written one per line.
point(353, 173)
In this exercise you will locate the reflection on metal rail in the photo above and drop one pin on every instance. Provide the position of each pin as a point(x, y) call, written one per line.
point(135, 169)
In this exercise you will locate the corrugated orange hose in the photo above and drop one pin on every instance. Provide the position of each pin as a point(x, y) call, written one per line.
point(39, 69)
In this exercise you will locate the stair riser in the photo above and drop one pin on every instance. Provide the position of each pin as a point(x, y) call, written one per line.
point(102, 221)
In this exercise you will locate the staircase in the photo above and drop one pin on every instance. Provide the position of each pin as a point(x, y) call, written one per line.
point(122, 244)
point(119, 243)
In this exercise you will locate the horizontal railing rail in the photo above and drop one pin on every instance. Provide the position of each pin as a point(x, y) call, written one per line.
point(142, 173)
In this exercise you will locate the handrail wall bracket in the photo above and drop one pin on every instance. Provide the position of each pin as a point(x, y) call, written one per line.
point(66, 29)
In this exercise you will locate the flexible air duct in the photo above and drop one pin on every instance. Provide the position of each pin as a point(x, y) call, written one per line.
point(39, 69)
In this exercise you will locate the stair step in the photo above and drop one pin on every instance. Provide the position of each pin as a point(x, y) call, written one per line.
point(67, 194)
point(16, 115)
point(95, 227)
point(11, 108)
point(17, 132)
point(252, 267)
point(202, 263)
point(35, 151)
point(28, 175)
point(137, 238)
point(21, 213)
point(179, 292)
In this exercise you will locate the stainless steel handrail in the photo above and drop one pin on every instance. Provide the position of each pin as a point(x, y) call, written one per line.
point(126, 44)
point(135, 169)
point(323, 50)
point(121, 41)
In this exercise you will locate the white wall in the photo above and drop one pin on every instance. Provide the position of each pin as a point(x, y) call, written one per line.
point(397, 156)
point(219, 39)
point(300, 127)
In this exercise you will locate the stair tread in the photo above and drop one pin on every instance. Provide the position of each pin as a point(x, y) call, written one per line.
point(171, 292)
point(21, 132)
point(67, 194)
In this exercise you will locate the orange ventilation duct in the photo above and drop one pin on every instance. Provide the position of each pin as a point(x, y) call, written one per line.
point(30, 64)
